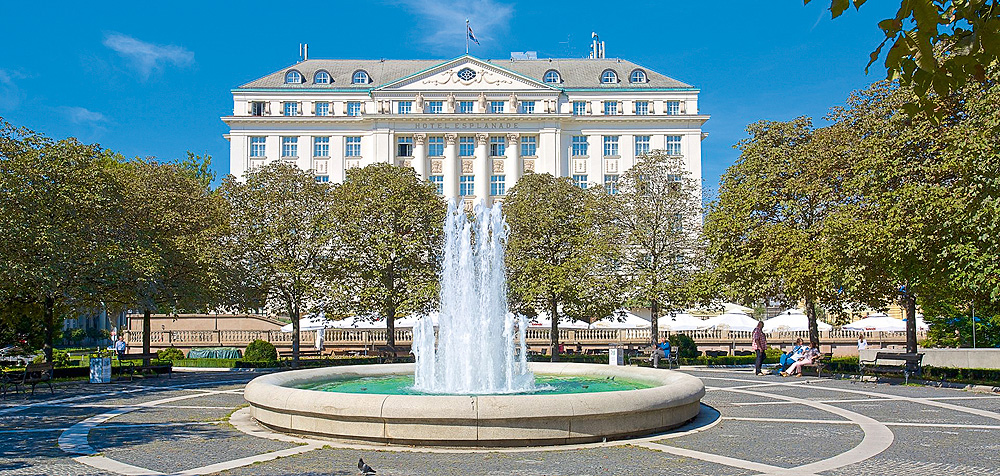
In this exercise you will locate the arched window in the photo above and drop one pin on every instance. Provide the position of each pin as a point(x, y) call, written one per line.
point(360, 77)
point(321, 77)
point(552, 76)
point(637, 76)
point(293, 77)
point(609, 76)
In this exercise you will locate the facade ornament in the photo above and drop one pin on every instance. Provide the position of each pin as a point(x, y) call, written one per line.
point(497, 166)
point(529, 165)
point(482, 102)
point(450, 138)
point(437, 166)
point(419, 138)
point(467, 166)
point(513, 102)
point(482, 138)
point(418, 101)
point(451, 102)
point(513, 138)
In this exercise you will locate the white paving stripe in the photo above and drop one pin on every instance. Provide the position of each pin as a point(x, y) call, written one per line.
point(236, 463)
point(116, 425)
point(107, 464)
point(714, 458)
point(957, 426)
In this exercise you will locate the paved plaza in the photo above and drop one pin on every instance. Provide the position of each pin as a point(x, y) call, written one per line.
point(196, 423)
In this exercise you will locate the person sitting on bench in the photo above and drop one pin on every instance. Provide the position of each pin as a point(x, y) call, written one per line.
point(662, 350)
point(793, 355)
point(808, 357)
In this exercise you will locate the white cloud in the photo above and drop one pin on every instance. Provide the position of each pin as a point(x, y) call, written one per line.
point(147, 57)
point(82, 115)
point(444, 21)
point(10, 93)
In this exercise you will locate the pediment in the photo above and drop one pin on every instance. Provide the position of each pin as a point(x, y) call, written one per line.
point(466, 73)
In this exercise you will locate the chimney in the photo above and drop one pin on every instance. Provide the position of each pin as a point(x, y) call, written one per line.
point(305, 52)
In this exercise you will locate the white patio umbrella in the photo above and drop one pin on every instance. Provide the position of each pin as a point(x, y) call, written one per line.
point(681, 321)
point(734, 321)
point(356, 322)
point(542, 321)
point(309, 323)
point(792, 320)
point(621, 319)
point(877, 323)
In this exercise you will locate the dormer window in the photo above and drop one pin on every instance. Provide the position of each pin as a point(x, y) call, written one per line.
point(552, 76)
point(637, 76)
point(609, 76)
point(293, 77)
point(321, 77)
point(360, 77)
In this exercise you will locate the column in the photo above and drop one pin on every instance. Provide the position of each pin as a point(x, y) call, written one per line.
point(452, 166)
point(419, 161)
point(481, 167)
point(513, 168)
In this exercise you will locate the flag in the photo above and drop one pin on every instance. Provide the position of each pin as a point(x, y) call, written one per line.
point(472, 36)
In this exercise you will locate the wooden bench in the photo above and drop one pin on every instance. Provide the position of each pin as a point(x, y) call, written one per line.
point(910, 364)
point(820, 363)
point(133, 363)
point(33, 375)
point(303, 353)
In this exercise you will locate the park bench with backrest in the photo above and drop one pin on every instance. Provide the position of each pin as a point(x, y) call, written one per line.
point(33, 375)
point(909, 364)
point(142, 363)
point(304, 352)
point(820, 363)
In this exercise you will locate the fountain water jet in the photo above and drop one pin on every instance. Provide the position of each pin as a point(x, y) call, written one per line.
point(479, 347)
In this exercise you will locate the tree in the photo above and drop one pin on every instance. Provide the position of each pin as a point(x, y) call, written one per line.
point(389, 230)
point(658, 216)
point(936, 45)
point(61, 223)
point(279, 241)
point(768, 230)
point(559, 259)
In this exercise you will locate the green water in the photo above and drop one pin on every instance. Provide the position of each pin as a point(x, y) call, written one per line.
point(544, 385)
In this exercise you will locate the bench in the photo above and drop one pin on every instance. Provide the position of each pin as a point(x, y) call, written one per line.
point(303, 353)
point(820, 363)
point(910, 364)
point(133, 363)
point(33, 375)
point(650, 354)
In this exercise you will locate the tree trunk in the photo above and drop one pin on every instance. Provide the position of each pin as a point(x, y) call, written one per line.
point(909, 302)
point(554, 331)
point(48, 316)
point(293, 313)
point(390, 329)
point(811, 315)
point(146, 332)
point(654, 317)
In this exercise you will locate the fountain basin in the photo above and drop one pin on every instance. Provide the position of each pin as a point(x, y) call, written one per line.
point(476, 420)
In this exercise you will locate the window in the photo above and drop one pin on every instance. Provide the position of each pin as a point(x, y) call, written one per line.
point(360, 77)
point(673, 145)
point(637, 76)
point(322, 109)
point(527, 107)
point(322, 178)
point(352, 147)
point(529, 146)
point(257, 147)
point(466, 74)
point(258, 108)
point(579, 108)
point(611, 184)
point(466, 185)
point(552, 76)
point(435, 146)
point(673, 108)
point(466, 146)
point(496, 107)
point(354, 108)
point(466, 107)
point(290, 108)
point(641, 145)
point(404, 107)
point(289, 147)
point(579, 146)
point(610, 146)
point(438, 181)
point(321, 146)
point(497, 185)
point(322, 77)
point(580, 181)
point(404, 147)
point(642, 108)
point(609, 76)
point(498, 146)
point(610, 108)
point(434, 107)
point(293, 77)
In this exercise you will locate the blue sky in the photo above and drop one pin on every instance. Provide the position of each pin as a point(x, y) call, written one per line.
point(153, 78)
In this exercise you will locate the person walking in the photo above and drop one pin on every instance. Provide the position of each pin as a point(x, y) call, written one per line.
point(759, 344)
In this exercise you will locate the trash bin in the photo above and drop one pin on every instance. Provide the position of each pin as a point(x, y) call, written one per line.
point(100, 369)
point(616, 355)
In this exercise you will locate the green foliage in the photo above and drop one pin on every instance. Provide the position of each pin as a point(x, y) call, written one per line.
point(76, 335)
point(685, 345)
point(260, 350)
point(171, 353)
point(576, 358)
point(59, 358)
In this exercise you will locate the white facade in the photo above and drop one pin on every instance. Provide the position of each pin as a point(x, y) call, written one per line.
point(466, 124)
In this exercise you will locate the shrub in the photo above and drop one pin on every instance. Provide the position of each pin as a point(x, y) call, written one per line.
point(75, 335)
point(170, 354)
point(686, 348)
point(59, 358)
point(260, 351)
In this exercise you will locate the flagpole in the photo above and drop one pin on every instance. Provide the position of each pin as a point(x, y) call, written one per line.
point(466, 36)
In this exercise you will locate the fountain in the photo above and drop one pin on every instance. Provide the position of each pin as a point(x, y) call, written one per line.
point(471, 383)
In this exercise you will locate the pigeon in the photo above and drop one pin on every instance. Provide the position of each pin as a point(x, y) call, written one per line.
point(364, 468)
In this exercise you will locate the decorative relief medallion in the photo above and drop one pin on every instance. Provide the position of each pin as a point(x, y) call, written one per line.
point(437, 166)
point(579, 166)
point(529, 165)
point(353, 164)
point(467, 166)
point(466, 76)
point(407, 163)
point(611, 166)
point(498, 166)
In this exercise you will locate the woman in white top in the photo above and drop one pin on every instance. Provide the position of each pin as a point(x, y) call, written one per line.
point(862, 343)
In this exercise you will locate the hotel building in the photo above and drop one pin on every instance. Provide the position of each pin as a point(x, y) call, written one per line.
point(472, 127)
